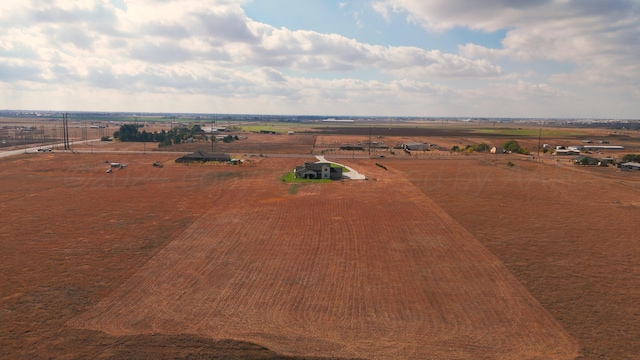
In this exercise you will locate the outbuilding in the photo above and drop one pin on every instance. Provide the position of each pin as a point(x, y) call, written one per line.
point(630, 166)
point(414, 146)
point(201, 156)
point(561, 152)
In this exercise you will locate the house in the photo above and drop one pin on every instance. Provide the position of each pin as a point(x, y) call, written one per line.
point(414, 146)
point(497, 150)
point(201, 156)
point(319, 170)
point(630, 166)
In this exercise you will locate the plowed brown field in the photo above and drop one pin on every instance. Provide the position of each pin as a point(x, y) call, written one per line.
point(455, 257)
point(370, 269)
point(567, 233)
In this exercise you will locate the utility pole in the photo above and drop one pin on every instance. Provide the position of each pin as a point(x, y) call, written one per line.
point(369, 140)
point(539, 137)
point(65, 129)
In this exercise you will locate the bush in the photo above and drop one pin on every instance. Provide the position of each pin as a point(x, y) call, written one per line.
point(514, 147)
point(511, 145)
point(482, 147)
point(631, 158)
point(510, 164)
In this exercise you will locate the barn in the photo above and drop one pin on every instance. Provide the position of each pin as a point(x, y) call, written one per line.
point(201, 156)
point(414, 146)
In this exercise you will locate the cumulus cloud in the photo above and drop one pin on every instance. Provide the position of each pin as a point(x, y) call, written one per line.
point(601, 35)
point(212, 49)
point(214, 32)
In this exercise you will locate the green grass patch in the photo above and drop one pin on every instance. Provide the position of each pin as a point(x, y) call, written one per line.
point(344, 169)
point(277, 127)
point(291, 178)
point(529, 132)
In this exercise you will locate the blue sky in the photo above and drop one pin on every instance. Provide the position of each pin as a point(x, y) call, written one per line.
point(358, 20)
point(495, 58)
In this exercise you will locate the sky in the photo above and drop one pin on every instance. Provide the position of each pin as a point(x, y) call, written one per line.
point(425, 58)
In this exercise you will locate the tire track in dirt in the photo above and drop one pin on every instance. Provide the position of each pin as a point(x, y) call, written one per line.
point(368, 269)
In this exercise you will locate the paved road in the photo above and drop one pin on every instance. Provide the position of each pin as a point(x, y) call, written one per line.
point(352, 174)
point(35, 149)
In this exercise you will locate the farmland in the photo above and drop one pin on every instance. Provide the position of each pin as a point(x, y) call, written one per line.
point(438, 256)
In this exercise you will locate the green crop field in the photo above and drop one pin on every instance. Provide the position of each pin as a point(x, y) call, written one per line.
point(529, 132)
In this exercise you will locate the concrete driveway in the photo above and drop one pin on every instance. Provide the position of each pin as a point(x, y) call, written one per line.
point(352, 174)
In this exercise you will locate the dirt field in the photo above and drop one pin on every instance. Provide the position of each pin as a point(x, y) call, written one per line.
point(334, 270)
point(71, 234)
point(454, 257)
point(568, 234)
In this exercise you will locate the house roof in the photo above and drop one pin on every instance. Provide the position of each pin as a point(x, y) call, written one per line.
point(200, 155)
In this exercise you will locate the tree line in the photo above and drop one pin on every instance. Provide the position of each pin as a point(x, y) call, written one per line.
point(132, 133)
point(177, 135)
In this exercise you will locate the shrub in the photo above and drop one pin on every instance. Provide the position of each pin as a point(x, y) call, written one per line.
point(631, 158)
point(511, 145)
point(482, 147)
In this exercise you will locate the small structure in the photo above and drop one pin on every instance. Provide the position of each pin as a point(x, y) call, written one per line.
point(562, 152)
point(320, 170)
point(630, 166)
point(268, 132)
point(352, 147)
point(603, 147)
point(201, 156)
point(375, 145)
point(497, 150)
point(414, 146)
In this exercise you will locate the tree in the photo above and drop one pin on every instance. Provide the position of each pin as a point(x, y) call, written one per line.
point(482, 147)
point(511, 145)
point(631, 158)
point(127, 132)
point(514, 147)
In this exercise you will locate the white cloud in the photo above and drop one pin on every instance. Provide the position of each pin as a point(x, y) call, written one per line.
point(599, 36)
point(209, 53)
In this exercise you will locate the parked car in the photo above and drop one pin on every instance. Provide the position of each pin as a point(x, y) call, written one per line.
point(44, 150)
